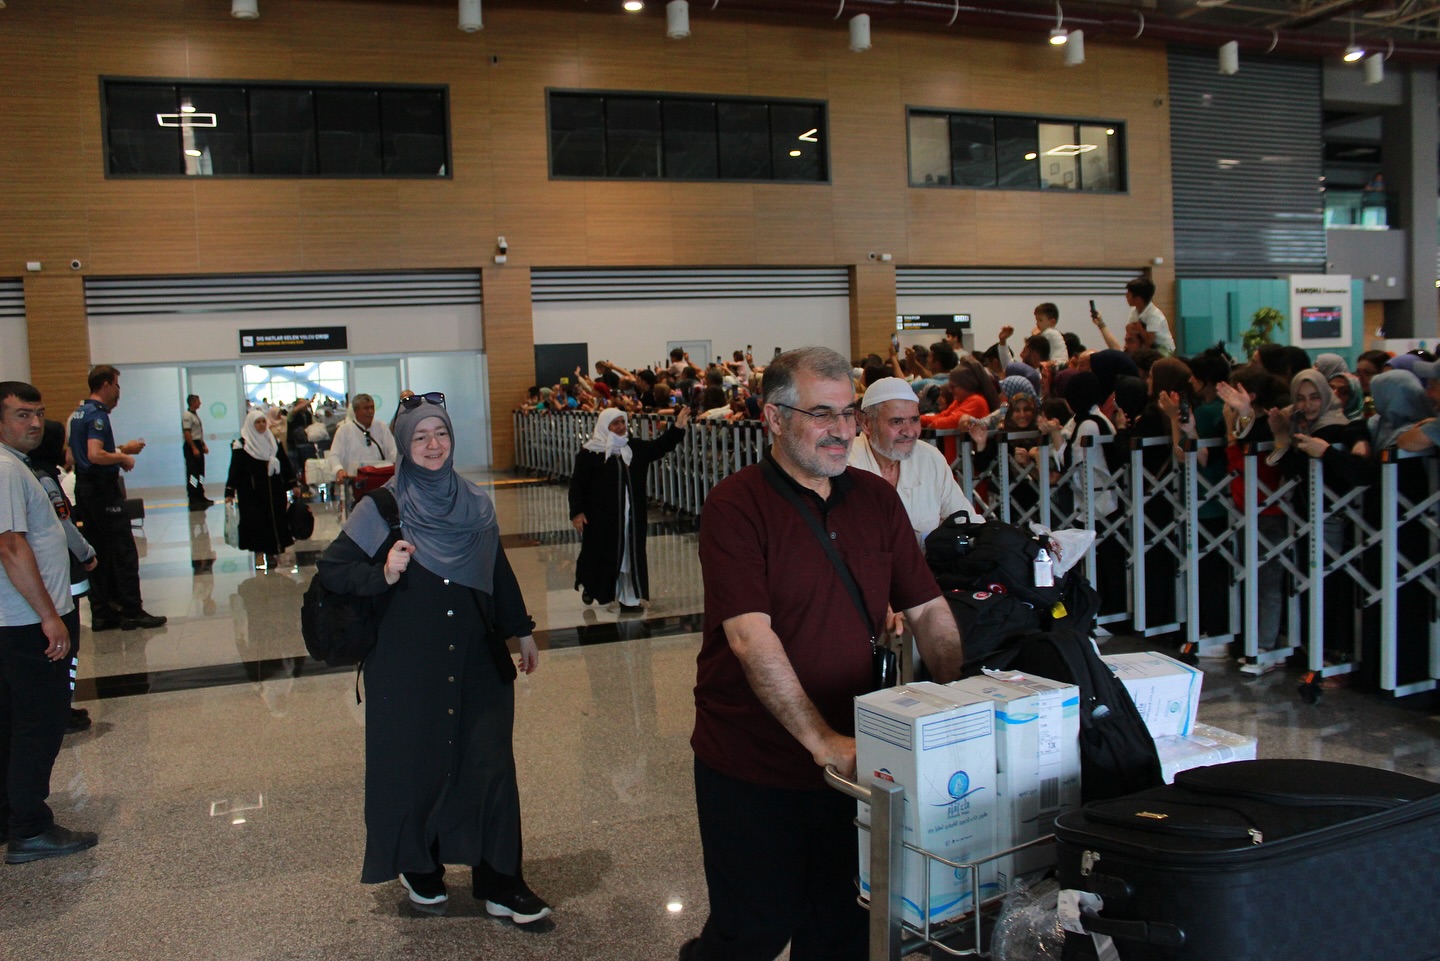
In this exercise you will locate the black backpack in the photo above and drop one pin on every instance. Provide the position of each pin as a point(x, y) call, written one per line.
point(962, 553)
point(341, 628)
point(988, 621)
point(1117, 753)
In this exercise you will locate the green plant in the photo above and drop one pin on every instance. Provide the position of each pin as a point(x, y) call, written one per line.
point(1265, 320)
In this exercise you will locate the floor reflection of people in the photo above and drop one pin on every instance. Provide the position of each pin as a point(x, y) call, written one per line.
point(617, 735)
point(263, 609)
point(202, 564)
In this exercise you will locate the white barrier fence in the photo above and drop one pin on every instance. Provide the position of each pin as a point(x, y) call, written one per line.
point(1170, 542)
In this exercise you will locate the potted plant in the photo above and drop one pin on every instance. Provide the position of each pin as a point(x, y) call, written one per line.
point(1265, 320)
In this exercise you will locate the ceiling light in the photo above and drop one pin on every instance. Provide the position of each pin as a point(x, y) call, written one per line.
point(677, 19)
point(860, 32)
point(192, 152)
point(1109, 131)
point(1230, 58)
point(245, 9)
point(1058, 35)
point(187, 108)
point(1353, 53)
point(1031, 155)
point(1070, 149)
point(470, 16)
point(1075, 48)
point(794, 153)
point(809, 135)
point(634, 6)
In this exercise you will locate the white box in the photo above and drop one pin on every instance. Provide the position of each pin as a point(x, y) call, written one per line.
point(1166, 691)
point(1037, 759)
point(1204, 745)
point(939, 745)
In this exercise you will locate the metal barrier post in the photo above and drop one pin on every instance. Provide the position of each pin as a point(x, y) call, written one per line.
point(1389, 573)
point(1190, 566)
point(1250, 531)
point(1315, 596)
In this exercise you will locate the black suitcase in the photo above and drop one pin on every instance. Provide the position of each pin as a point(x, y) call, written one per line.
point(1276, 860)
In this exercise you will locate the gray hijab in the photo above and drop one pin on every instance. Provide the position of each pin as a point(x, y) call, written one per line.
point(1400, 404)
point(450, 521)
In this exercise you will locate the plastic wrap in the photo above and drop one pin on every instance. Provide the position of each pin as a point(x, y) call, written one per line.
point(1029, 925)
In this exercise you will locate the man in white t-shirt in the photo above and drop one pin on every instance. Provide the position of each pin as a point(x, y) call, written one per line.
point(361, 439)
point(38, 626)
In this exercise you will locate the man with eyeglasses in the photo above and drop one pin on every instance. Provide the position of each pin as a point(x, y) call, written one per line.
point(361, 440)
point(785, 651)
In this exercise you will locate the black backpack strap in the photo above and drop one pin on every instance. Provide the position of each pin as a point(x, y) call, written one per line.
point(389, 509)
point(772, 476)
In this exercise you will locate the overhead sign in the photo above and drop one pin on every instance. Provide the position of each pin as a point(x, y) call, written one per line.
point(930, 321)
point(292, 339)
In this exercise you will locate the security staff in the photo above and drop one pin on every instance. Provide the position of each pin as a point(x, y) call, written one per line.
point(38, 625)
point(195, 451)
point(100, 507)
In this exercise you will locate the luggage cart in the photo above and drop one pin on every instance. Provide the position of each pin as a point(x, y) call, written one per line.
point(891, 937)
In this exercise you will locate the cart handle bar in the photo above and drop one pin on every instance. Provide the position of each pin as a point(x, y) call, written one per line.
point(844, 785)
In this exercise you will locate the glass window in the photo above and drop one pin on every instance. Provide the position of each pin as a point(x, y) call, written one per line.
point(744, 141)
point(930, 150)
point(692, 149)
point(797, 151)
point(1101, 168)
point(348, 122)
point(1016, 150)
point(285, 384)
point(143, 129)
point(577, 136)
point(632, 137)
point(972, 147)
point(413, 141)
point(220, 144)
point(282, 131)
point(1060, 151)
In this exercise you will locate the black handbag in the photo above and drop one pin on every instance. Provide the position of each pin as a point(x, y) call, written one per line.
point(300, 520)
point(885, 664)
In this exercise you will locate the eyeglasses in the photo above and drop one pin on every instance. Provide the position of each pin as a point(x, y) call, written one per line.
point(415, 400)
point(825, 418)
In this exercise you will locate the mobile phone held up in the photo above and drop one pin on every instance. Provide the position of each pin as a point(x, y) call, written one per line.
point(895, 342)
point(1092, 309)
point(1185, 413)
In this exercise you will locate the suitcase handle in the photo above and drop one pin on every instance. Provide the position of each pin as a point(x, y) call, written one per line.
point(1115, 892)
point(1153, 933)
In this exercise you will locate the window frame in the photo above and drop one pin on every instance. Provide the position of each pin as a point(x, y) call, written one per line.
point(1121, 127)
point(667, 95)
point(247, 85)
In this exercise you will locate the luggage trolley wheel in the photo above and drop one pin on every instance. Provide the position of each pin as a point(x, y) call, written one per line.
point(1310, 689)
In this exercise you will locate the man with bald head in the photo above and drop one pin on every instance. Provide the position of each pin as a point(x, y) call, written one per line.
point(889, 446)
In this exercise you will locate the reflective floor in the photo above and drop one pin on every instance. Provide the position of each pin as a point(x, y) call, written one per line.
point(224, 770)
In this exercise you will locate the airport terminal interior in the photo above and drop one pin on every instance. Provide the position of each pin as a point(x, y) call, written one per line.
point(224, 770)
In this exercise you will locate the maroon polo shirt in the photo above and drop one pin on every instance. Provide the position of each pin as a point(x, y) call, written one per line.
point(759, 556)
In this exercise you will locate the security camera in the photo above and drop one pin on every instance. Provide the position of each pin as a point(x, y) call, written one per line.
point(76, 265)
point(502, 245)
point(873, 255)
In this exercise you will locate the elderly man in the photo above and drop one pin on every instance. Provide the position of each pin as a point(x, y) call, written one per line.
point(785, 651)
point(889, 446)
point(361, 439)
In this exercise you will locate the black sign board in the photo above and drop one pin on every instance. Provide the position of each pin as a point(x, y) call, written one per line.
point(930, 321)
point(289, 340)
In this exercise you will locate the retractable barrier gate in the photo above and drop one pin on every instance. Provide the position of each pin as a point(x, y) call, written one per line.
point(1272, 548)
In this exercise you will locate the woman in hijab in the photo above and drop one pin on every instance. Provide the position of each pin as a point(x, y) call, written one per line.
point(1350, 394)
point(260, 474)
point(440, 783)
point(1109, 366)
point(1400, 404)
point(608, 506)
point(1331, 365)
point(1312, 426)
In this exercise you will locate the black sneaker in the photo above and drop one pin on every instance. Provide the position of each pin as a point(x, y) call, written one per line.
point(519, 904)
point(427, 891)
point(142, 620)
point(79, 721)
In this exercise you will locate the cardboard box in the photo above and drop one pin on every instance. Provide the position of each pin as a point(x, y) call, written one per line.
point(1166, 691)
point(1204, 745)
point(1037, 759)
point(939, 745)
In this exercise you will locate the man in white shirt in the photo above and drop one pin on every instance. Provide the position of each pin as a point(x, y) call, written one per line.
point(361, 439)
point(38, 625)
point(889, 445)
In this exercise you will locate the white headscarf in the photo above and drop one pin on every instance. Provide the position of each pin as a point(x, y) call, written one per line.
point(259, 442)
point(604, 441)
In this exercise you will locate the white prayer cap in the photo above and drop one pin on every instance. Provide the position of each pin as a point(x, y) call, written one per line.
point(888, 388)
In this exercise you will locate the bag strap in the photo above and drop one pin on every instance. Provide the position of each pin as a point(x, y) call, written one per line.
point(772, 476)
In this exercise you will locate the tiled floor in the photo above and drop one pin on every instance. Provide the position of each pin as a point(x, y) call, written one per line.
point(224, 770)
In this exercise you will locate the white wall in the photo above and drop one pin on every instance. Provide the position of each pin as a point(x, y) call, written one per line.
point(14, 349)
point(989, 314)
point(633, 333)
point(182, 338)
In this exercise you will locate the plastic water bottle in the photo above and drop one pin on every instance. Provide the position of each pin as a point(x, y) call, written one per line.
point(1044, 569)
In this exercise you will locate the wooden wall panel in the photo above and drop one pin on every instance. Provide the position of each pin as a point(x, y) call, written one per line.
point(57, 203)
point(510, 351)
point(59, 340)
point(872, 308)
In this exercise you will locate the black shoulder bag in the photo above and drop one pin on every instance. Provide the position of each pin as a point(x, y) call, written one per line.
point(343, 628)
point(884, 662)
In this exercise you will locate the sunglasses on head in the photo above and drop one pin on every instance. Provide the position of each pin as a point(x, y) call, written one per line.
point(415, 400)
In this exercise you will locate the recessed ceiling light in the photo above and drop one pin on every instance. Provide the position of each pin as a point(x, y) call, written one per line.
point(1109, 131)
point(794, 153)
point(1030, 156)
point(192, 152)
point(634, 6)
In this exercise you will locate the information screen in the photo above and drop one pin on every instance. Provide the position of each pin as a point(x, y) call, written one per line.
point(1320, 323)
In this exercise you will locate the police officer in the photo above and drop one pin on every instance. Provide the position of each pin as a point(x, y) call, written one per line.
point(100, 507)
point(38, 626)
point(195, 451)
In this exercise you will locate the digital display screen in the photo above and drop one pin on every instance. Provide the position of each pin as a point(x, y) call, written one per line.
point(930, 321)
point(1321, 323)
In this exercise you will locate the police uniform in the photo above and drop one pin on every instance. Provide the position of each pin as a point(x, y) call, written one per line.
point(100, 510)
point(194, 459)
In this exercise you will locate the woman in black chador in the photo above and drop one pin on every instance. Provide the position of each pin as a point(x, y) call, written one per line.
point(260, 474)
point(607, 507)
point(439, 763)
